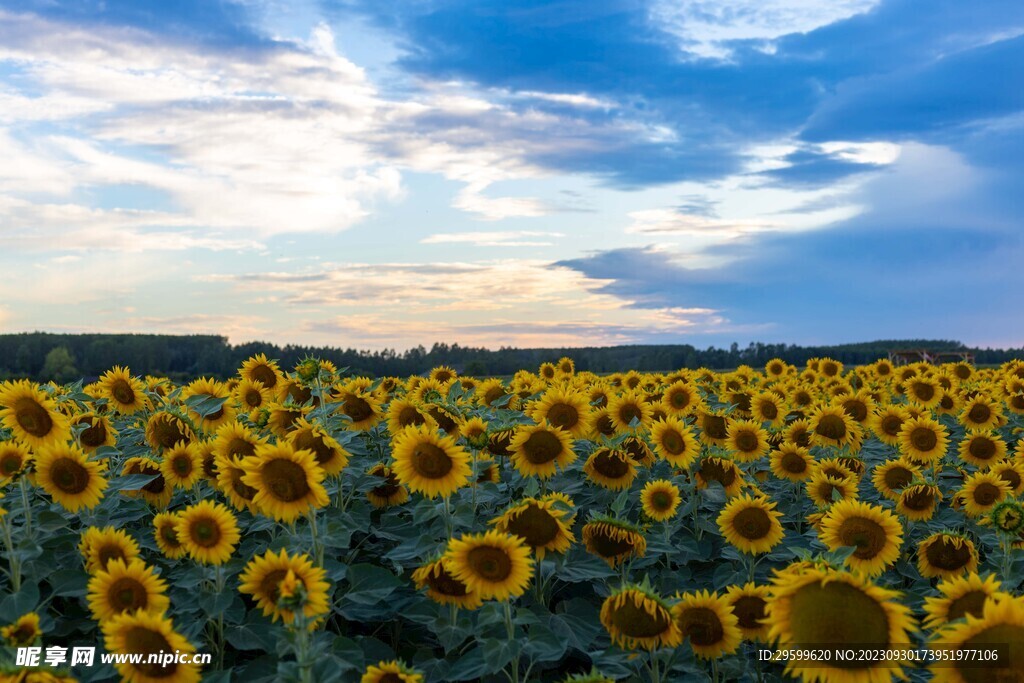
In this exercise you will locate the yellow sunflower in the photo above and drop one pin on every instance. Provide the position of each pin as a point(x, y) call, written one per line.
point(1012, 472)
point(751, 525)
point(798, 433)
point(981, 413)
point(831, 426)
point(1001, 624)
point(100, 546)
point(614, 541)
point(71, 479)
point(489, 391)
point(330, 455)
point(610, 468)
point(403, 413)
point(680, 399)
point(429, 463)
point(32, 416)
point(363, 409)
point(394, 671)
point(207, 389)
point(14, 460)
point(722, 471)
point(126, 395)
point(563, 408)
point(208, 531)
point(946, 555)
point(835, 469)
point(251, 396)
point(660, 499)
point(126, 587)
point(442, 587)
point(918, 502)
point(263, 370)
point(543, 524)
point(982, 491)
point(674, 442)
point(714, 427)
point(749, 603)
point(230, 475)
point(746, 440)
point(288, 482)
point(165, 430)
point(824, 490)
point(262, 579)
point(96, 431)
point(156, 492)
point(495, 565)
point(538, 450)
point(638, 618)
point(24, 631)
point(181, 466)
point(165, 533)
point(923, 440)
point(982, 449)
point(874, 531)
point(145, 633)
point(891, 477)
point(390, 492)
point(629, 412)
point(791, 462)
point(959, 597)
point(707, 620)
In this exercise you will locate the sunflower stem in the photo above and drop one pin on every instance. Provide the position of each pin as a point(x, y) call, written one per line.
point(27, 506)
point(714, 671)
point(318, 547)
point(15, 562)
point(510, 630)
point(655, 674)
point(219, 581)
point(449, 522)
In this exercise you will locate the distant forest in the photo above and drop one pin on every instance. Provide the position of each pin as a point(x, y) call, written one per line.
point(65, 357)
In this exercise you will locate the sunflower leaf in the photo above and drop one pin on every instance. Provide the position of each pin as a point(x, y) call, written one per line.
point(205, 405)
point(131, 482)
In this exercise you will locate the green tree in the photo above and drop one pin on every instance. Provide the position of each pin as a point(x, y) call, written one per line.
point(59, 366)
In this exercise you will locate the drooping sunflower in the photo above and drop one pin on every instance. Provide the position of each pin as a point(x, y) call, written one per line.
point(946, 555)
point(156, 492)
point(96, 431)
point(923, 440)
point(706, 620)
point(613, 540)
point(538, 450)
point(660, 500)
point(815, 606)
point(981, 413)
point(825, 490)
point(638, 618)
point(1001, 624)
point(834, 468)
point(281, 419)
point(959, 597)
point(791, 462)
point(442, 587)
point(629, 412)
point(32, 416)
point(165, 533)
point(563, 408)
point(749, 603)
point(430, 463)
point(674, 442)
point(263, 370)
point(208, 531)
point(165, 430)
point(100, 546)
point(394, 671)
point(288, 482)
point(126, 587)
point(831, 426)
point(181, 466)
point(262, 579)
point(722, 471)
point(874, 531)
point(918, 502)
point(982, 491)
point(146, 633)
point(126, 395)
point(330, 455)
point(610, 468)
point(714, 427)
point(390, 492)
point(982, 449)
point(543, 524)
point(71, 479)
point(14, 460)
point(891, 477)
point(495, 565)
point(747, 440)
point(22, 632)
point(751, 525)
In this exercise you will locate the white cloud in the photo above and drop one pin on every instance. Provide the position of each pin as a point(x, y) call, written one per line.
point(514, 238)
point(672, 222)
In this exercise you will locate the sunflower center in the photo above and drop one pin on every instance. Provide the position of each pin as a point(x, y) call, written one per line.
point(679, 399)
point(10, 463)
point(270, 585)
point(264, 375)
point(634, 621)
point(309, 441)
point(715, 427)
point(534, 525)
point(768, 410)
point(801, 437)
point(673, 442)
point(836, 612)
point(285, 479)
point(241, 489)
point(982, 448)
point(866, 534)
point(986, 493)
point(997, 635)
point(701, 625)
point(610, 465)
point(444, 583)
point(948, 555)
point(563, 415)
point(108, 553)
point(923, 438)
point(606, 545)
point(979, 413)
point(127, 594)
point(122, 392)
point(493, 564)
point(167, 432)
point(182, 465)
point(169, 535)
point(752, 523)
point(33, 417)
point(69, 475)
point(206, 533)
point(444, 421)
point(253, 398)
point(144, 641)
point(357, 408)
point(831, 427)
point(892, 424)
point(410, 416)
point(1010, 476)
point(542, 447)
point(661, 500)
point(240, 448)
point(94, 435)
point(898, 477)
point(431, 461)
point(746, 442)
point(793, 463)
point(628, 412)
point(714, 469)
point(749, 611)
point(919, 499)
point(971, 602)
point(856, 409)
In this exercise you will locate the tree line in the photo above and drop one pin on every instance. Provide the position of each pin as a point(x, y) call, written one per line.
point(64, 357)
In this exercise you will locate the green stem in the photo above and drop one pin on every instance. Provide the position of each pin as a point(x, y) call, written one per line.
point(449, 522)
point(714, 671)
point(15, 562)
point(219, 581)
point(655, 674)
point(28, 508)
point(318, 548)
point(510, 630)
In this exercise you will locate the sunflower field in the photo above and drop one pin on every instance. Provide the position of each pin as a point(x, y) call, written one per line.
point(305, 525)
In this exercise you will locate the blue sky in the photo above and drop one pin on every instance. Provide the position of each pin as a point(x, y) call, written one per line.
point(509, 172)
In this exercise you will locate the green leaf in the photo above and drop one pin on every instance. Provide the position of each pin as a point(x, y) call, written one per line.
point(369, 584)
point(131, 482)
point(543, 645)
point(469, 666)
point(205, 405)
point(24, 601)
point(497, 653)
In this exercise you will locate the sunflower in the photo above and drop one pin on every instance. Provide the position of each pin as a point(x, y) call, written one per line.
point(981, 413)
point(404, 413)
point(493, 564)
point(923, 440)
point(776, 368)
point(891, 477)
point(610, 468)
point(831, 426)
point(982, 449)
point(1001, 624)
point(601, 424)
point(746, 440)
point(156, 492)
point(638, 618)
point(208, 531)
point(429, 463)
point(835, 468)
point(982, 491)
point(442, 587)
point(859, 406)
point(100, 546)
point(206, 388)
point(487, 471)
point(768, 408)
point(182, 467)
point(394, 671)
point(1012, 472)
point(798, 433)
point(166, 535)
point(946, 555)
point(330, 455)
point(543, 524)
point(96, 431)
point(288, 482)
point(145, 633)
point(815, 606)
point(71, 479)
point(262, 579)
point(791, 462)
point(126, 395)
point(751, 525)
point(24, 631)
point(538, 449)
point(165, 430)
point(680, 399)
point(660, 500)
point(614, 541)
point(825, 490)
point(474, 431)
point(251, 396)
point(362, 408)
point(959, 597)
point(706, 619)
point(674, 442)
point(263, 370)
point(14, 460)
point(126, 587)
point(714, 427)
point(917, 502)
point(281, 419)
point(720, 470)
point(230, 475)
point(629, 412)
point(875, 532)
point(563, 408)
point(32, 416)
point(489, 391)
point(748, 604)
point(389, 493)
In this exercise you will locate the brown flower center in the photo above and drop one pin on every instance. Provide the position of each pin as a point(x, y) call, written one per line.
point(69, 475)
point(542, 447)
point(490, 563)
point(701, 625)
point(33, 417)
point(285, 480)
